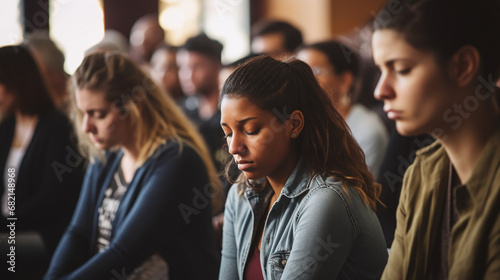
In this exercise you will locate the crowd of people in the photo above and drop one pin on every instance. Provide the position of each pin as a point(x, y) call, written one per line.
point(155, 161)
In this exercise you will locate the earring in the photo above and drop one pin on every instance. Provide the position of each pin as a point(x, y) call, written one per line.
point(294, 135)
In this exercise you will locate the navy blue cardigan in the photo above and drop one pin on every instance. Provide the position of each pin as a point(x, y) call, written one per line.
point(151, 218)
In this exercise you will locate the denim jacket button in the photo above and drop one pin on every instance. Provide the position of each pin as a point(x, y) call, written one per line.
point(283, 262)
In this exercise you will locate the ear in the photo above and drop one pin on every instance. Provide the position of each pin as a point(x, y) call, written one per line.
point(465, 65)
point(297, 123)
point(346, 80)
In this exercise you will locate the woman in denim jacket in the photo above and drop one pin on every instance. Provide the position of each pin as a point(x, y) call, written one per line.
point(303, 205)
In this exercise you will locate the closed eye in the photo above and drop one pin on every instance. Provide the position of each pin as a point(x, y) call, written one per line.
point(255, 132)
point(404, 71)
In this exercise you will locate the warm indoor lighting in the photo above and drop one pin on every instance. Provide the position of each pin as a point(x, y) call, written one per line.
point(75, 26)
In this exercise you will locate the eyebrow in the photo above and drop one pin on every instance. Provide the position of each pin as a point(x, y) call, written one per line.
point(240, 121)
point(394, 60)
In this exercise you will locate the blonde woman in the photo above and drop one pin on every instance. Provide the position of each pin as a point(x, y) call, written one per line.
point(145, 208)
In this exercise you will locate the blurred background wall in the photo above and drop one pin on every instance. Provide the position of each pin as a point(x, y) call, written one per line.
point(76, 25)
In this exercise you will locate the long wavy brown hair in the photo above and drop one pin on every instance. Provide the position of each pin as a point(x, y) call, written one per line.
point(325, 143)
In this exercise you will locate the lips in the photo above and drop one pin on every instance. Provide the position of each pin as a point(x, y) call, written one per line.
point(244, 164)
point(393, 114)
point(94, 139)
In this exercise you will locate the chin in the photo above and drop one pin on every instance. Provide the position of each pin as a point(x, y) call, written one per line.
point(406, 130)
point(101, 146)
point(253, 175)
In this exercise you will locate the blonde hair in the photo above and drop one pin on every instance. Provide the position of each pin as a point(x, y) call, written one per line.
point(152, 113)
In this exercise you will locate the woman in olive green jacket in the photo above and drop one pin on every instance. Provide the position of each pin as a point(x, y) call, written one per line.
point(440, 61)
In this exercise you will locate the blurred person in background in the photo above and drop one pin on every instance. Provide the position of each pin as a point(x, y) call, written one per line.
point(335, 66)
point(145, 36)
point(199, 61)
point(38, 152)
point(166, 73)
point(50, 60)
point(147, 200)
point(276, 38)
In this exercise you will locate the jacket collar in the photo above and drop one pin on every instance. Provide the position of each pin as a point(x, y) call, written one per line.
point(480, 183)
point(297, 183)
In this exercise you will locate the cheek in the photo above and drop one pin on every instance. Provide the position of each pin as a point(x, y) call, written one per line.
point(108, 127)
point(274, 145)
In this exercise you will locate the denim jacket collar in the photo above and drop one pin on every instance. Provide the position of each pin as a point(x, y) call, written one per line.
point(297, 183)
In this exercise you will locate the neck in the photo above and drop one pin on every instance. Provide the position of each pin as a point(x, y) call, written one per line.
point(131, 153)
point(208, 104)
point(26, 120)
point(343, 105)
point(277, 181)
point(465, 144)
point(344, 111)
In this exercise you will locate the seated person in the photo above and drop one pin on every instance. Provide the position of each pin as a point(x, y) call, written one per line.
point(336, 69)
point(303, 206)
point(145, 206)
point(41, 171)
point(438, 74)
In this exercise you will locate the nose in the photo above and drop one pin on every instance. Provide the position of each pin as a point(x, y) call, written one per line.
point(384, 89)
point(87, 125)
point(236, 145)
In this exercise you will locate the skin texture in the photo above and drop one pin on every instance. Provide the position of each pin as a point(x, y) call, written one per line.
point(260, 144)
point(103, 122)
point(145, 36)
point(271, 44)
point(6, 100)
point(414, 88)
point(164, 71)
point(336, 86)
point(197, 73)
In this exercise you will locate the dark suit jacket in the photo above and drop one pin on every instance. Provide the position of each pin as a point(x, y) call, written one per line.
point(48, 180)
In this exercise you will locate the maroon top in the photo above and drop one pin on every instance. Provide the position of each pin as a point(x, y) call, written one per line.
point(253, 270)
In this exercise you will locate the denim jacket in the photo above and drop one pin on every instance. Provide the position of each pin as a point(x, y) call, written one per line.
point(315, 230)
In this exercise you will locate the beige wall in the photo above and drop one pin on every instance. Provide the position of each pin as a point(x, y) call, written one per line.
point(323, 19)
point(310, 16)
point(349, 14)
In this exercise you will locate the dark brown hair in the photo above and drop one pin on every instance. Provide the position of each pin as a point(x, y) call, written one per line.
point(443, 27)
point(325, 143)
point(20, 75)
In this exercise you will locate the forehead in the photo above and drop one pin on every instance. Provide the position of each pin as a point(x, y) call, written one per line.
point(313, 57)
point(90, 99)
point(388, 45)
point(188, 57)
point(234, 109)
point(270, 42)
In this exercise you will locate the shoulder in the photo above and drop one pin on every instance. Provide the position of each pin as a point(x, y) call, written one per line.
point(363, 121)
point(428, 156)
point(55, 125)
point(236, 195)
point(429, 165)
point(54, 119)
point(325, 192)
point(175, 152)
point(7, 123)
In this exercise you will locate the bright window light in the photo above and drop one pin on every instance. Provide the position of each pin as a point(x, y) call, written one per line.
point(75, 26)
point(11, 32)
point(229, 22)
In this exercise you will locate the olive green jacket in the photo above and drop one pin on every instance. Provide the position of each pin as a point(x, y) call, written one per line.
point(475, 238)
